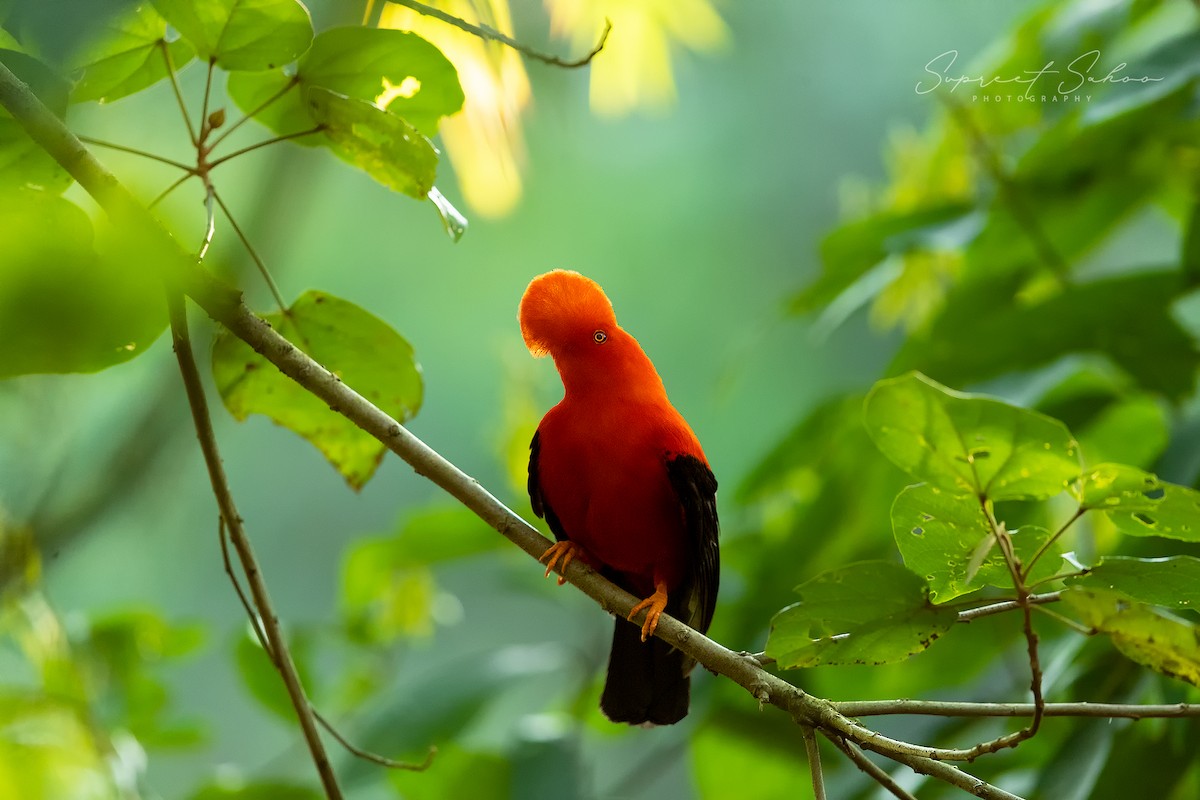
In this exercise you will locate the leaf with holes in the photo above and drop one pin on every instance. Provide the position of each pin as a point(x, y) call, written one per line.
point(1164, 643)
point(1116, 487)
point(358, 347)
point(969, 443)
point(381, 144)
point(124, 54)
point(947, 538)
point(400, 71)
point(1170, 582)
point(872, 612)
point(242, 34)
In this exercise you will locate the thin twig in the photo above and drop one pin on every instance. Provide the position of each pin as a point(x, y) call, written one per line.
point(291, 84)
point(258, 589)
point(1079, 512)
point(163, 194)
point(374, 758)
point(814, 761)
point(939, 708)
point(258, 262)
point(251, 614)
point(204, 127)
point(136, 152)
point(210, 221)
point(256, 626)
point(971, 614)
point(871, 769)
point(264, 143)
point(1074, 625)
point(491, 34)
point(187, 119)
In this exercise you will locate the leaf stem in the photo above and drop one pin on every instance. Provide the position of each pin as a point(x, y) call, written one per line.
point(295, 81)
point(264, 143)
point(137, 152)
point(489, 33)
point(162, 195)
point(187, 120)
point(1079, 512)
point(258, 262)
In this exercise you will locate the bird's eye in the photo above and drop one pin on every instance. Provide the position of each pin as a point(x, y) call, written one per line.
point(599, 337)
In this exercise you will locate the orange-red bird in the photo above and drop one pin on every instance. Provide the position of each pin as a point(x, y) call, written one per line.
point(625, 487)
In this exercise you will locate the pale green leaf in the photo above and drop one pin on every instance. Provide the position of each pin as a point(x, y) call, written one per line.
point(23, 163)
point(381, 144)
point(360, 348)
point(1164, 643)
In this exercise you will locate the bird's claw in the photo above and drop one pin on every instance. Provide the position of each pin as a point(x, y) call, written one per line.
point(656, 604)
point(566, 550)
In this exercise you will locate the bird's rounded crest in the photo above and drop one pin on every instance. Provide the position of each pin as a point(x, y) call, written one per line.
point(562, 309)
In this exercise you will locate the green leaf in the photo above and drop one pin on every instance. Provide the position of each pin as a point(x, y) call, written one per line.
point(1172, 582)
point(1139, 504)
point(968, 443)
point(1116, 486)
point(63, 306)
point(358, 347)
point(872, 612)
point(983, 334)
point(23, 163)
point(361, 63)
point(242, 34)
point(947, 538)
point(1165, 644)
point(381, 144)
point(261, 790)
point(123, 55)
point(264, 681)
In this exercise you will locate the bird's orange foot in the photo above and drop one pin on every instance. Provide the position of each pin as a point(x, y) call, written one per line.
point(567, 551)
point(656, 604)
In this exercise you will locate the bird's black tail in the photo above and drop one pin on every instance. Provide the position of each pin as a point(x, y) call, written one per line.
point(647, 681)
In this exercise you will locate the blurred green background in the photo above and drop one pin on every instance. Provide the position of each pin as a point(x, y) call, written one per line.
point(700, 221)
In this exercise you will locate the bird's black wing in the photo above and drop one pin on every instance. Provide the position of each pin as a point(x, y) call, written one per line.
point(696, 488)
point(536, 498)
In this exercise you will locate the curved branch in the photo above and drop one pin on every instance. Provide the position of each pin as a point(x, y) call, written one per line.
point(489, 33)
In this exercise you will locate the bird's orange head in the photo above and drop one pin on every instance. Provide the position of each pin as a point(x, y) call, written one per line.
point(563, 311)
